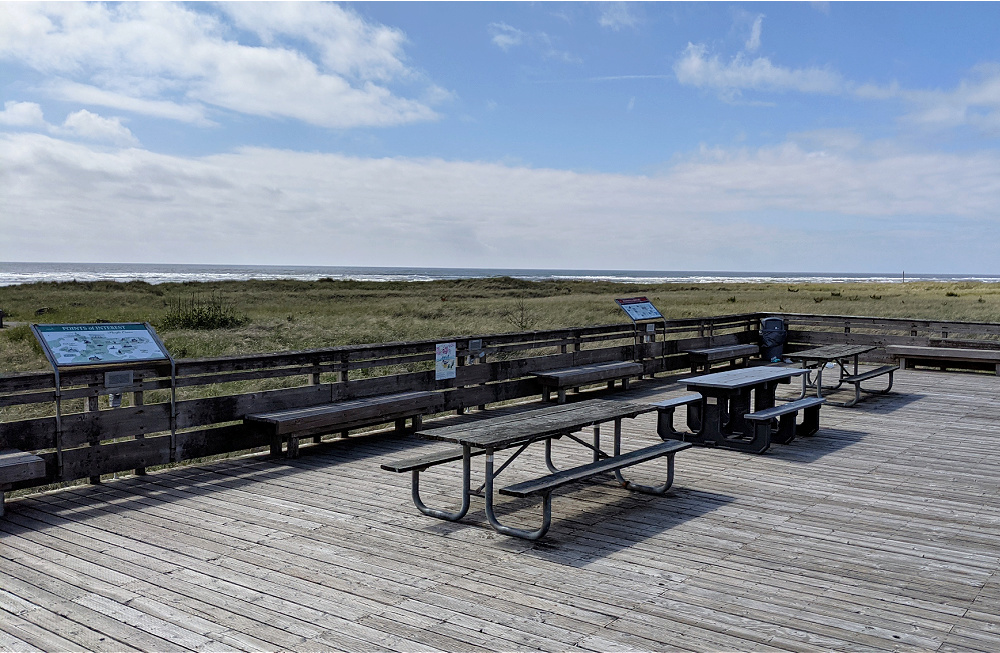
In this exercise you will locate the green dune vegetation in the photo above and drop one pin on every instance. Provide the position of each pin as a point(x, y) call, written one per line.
point(226, 318)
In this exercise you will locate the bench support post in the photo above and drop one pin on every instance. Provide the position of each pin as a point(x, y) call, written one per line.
point(665, 425)
point(444, 514)
point(785, 432)
point(629, 485)
point(510, 530)
point(810, 421)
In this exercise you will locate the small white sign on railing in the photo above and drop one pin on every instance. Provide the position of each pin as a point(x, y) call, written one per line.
point(445, 361)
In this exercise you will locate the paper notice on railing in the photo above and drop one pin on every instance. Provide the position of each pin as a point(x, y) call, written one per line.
point(445, 361)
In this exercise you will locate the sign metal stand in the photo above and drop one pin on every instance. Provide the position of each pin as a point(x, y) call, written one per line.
point(641, 311)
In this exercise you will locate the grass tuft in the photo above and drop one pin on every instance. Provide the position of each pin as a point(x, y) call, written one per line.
point(203, 315)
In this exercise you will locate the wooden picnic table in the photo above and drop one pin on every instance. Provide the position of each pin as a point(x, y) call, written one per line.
point(846, 358)
point(491, 435)
point(718, 419)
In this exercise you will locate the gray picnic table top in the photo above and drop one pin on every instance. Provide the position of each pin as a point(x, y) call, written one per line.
point(830, 352)
point(509, 430)
point(742, 378)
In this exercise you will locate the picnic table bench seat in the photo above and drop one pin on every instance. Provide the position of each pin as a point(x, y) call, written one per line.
point(15, 466)
point(574, 377)
point(428, 460)
point(291, 424)
point(759, 423)
point(857, 379)
point(871, 374)
point(704, 358)
point(911, 353)
point(544, 485)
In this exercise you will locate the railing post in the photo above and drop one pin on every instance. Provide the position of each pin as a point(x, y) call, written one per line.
point(91, 404)
point(139, 400)
point(313, 380)
point(460, 362)
point(342, 377)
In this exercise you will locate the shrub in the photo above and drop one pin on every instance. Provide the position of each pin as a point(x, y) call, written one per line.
point(215, 313)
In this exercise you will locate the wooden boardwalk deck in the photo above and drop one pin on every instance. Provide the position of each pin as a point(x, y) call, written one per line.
point(879, 533)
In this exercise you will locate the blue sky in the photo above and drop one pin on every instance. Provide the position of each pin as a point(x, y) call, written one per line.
point(839, 137)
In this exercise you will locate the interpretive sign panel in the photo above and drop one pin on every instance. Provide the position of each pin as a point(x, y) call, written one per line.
point(639, 309)
point(70, 345)
point(445, 361)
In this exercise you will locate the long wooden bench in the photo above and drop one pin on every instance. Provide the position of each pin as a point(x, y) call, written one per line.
point(574, 377)
point(315, 421)
point(943, 355)
point(702, 359)
point(759, 423)
point(546, 484)
point(16, 466)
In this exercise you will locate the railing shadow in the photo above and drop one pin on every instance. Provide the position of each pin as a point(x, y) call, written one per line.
point(84, 503)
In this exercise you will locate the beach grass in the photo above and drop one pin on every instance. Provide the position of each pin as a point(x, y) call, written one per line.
point(272, 316)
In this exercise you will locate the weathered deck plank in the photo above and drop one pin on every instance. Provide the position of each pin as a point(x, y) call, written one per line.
point(877, 533)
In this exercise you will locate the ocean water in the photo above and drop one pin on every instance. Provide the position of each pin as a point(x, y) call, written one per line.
point(20, 273)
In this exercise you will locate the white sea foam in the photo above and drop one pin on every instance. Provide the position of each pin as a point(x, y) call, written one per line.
point(23, 273)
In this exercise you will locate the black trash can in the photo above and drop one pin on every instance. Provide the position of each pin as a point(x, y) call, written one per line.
point(773, 334)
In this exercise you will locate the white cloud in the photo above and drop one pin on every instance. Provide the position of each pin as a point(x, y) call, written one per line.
point(90, 126)
point(617, 15)
point(80, 124)
point(87, 94)
point(753, 43)
point(348, 45)
point(507, 37)
point(974, 102)
point(276, 206)
point(697, 68)
point(22, 114)
point(171, 60)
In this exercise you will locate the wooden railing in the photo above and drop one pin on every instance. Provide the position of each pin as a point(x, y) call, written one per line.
point(85, 438)
point(813, 330)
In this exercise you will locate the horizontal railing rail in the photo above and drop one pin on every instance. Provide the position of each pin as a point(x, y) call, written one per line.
point(89, 439)
point(213, 395)
point(806, 331)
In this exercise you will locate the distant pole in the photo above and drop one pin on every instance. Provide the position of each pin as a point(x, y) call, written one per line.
point(904, 276)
